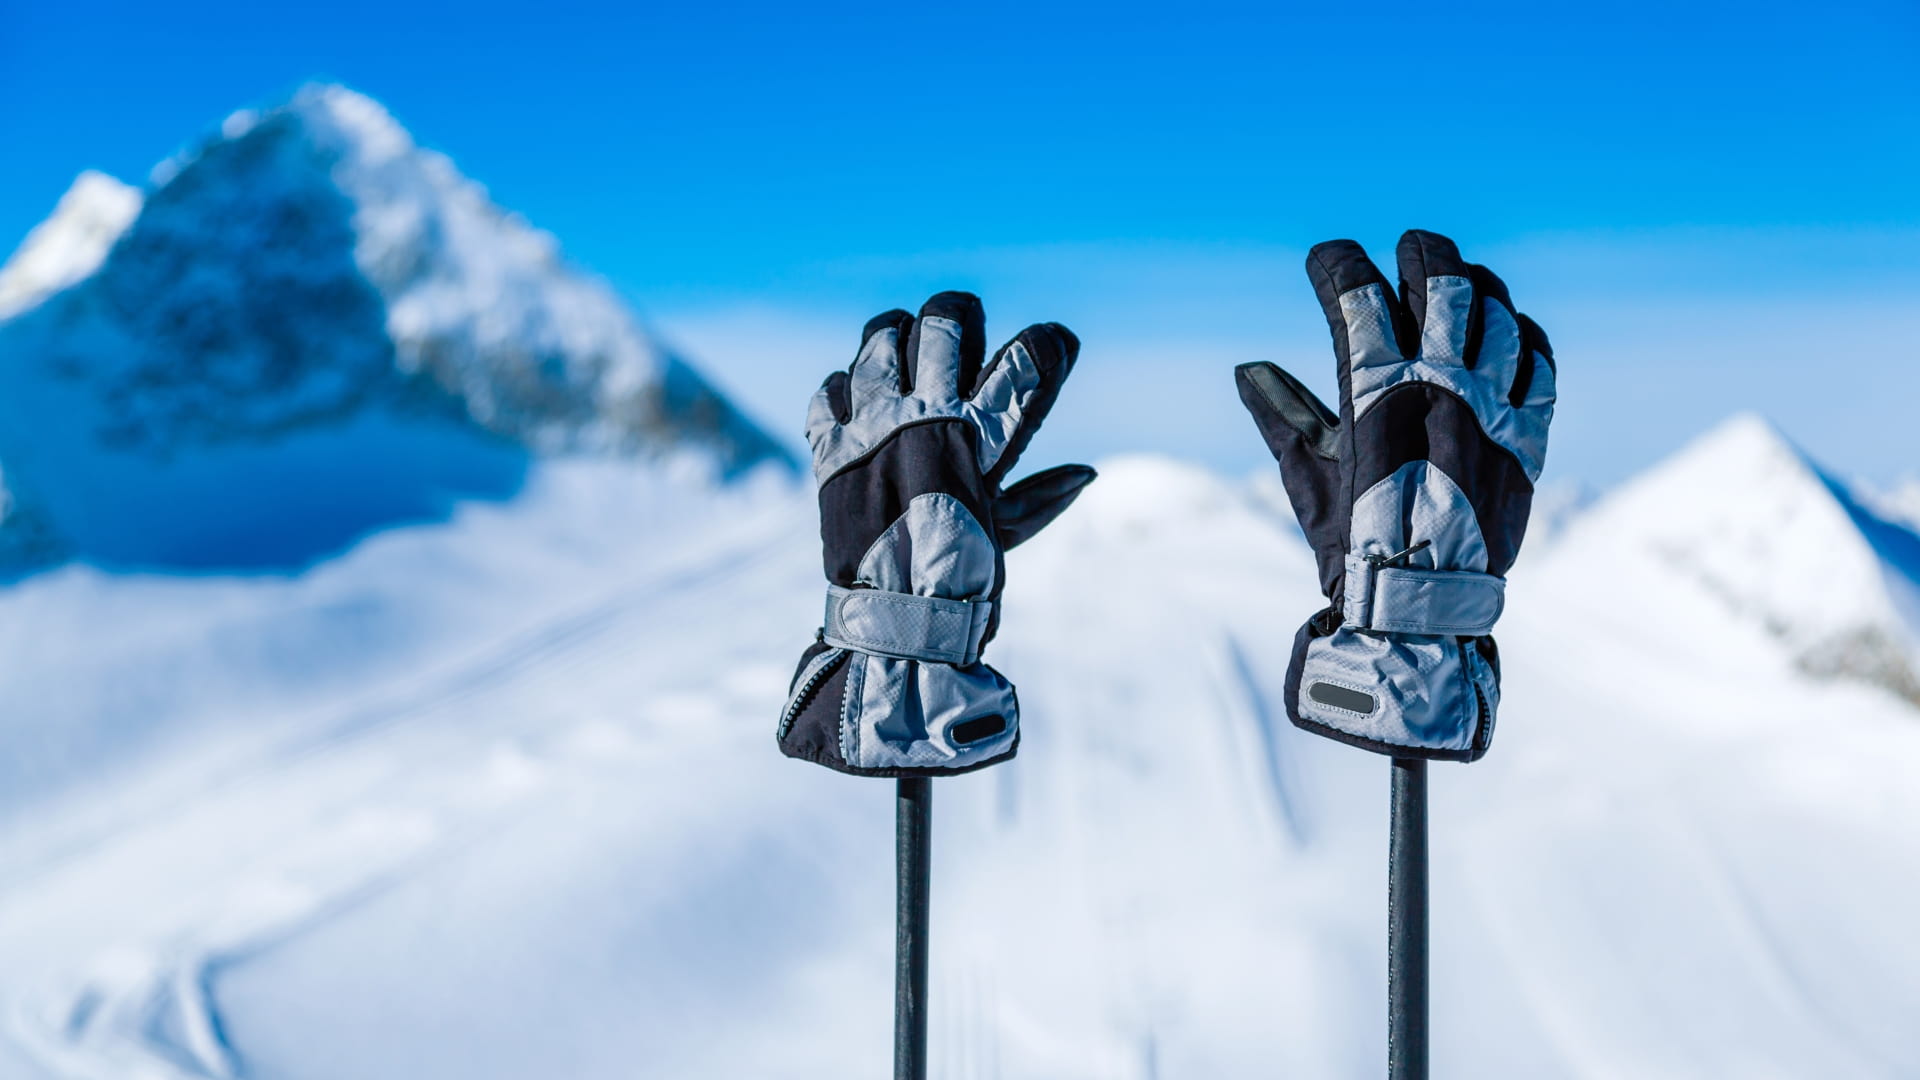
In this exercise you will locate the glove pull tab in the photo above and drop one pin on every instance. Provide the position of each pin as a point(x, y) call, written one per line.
point(1379, 561)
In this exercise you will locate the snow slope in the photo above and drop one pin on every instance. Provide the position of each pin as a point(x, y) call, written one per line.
point(499, 798)
point(70, 244)
point(308, 329)
point(1744, 516)
point(1901, 502)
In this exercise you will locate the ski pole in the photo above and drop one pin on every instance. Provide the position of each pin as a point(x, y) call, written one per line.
point(1407, 924)
point(913, 852)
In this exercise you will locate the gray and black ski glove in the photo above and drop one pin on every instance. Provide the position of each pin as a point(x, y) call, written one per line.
point(1414, 498)
point(910, 448)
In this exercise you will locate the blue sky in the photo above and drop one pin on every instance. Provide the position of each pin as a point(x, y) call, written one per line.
point(1709, 207)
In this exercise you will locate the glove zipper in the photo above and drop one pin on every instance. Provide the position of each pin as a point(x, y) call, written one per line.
point(1483, 726)
point(1483, 731)
point(835, 657)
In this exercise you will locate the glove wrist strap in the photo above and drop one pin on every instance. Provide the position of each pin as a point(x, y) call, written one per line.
point(1407, 600)
point(905, 626)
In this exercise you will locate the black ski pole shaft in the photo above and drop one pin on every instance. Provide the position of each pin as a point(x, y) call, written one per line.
point(1407, 924)
point(913, 850)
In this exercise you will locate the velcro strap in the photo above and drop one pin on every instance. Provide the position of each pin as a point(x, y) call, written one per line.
point(906, 626)
point(1405, 600)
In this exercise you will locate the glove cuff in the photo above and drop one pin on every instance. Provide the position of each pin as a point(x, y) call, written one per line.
point(1405, 695)
point(906, 627)
point(1408, 600)
point(873, 715)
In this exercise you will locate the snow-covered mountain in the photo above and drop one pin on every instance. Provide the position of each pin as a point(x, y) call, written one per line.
point(308, 328)
point(499, 798)
point(1745, 517)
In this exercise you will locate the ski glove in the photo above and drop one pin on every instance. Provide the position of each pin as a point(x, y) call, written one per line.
point(910, 447)
point(1414, 498)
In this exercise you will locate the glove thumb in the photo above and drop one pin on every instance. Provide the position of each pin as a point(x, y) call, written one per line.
point(1304, 437)
point(1033, 503)
point(1290, 418)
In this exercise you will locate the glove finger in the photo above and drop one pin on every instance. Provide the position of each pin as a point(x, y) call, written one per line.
point(1033, 503)
point(1436, 289)
point(1018, 389)
point(1534, 383)
point(944, 350)
point(834, 399)
point(1369, 326)
point(1493, 350)
point(1489, 295)
point(877, 368)
point(1290, 418)
point(828, 410)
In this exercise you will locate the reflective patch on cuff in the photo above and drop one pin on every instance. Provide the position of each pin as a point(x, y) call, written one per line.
point(1340, 697)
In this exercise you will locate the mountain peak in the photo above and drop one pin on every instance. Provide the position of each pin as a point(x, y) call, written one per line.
point(305, 271)
point(1746, 516)
point(348, 118)
point(338, 122)
point(1744, 441)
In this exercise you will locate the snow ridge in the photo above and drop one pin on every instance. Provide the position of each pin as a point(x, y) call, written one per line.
point(70, 244)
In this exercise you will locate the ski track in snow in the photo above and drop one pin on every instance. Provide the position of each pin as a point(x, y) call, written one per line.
point(1248, 697)
point(1773, 967)
point(143, 1008)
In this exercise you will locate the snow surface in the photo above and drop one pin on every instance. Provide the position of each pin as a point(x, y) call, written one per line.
point(70, 244)
point(500, 798)
point(1901, 502)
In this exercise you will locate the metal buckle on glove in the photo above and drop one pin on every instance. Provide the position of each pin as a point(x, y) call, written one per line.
point(1379, 561)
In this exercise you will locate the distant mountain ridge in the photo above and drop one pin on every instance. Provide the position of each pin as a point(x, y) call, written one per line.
point(306, 273)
